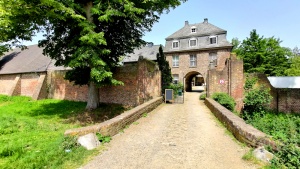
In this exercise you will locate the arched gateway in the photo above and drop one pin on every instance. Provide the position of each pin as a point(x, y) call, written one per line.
point(193, 50)
point(193, 78)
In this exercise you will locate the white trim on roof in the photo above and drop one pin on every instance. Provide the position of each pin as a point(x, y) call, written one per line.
point(285, 82)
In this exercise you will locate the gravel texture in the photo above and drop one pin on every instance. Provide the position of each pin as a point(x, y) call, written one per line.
point(174, 136)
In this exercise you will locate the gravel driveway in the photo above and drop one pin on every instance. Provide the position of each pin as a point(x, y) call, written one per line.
point(174, 136)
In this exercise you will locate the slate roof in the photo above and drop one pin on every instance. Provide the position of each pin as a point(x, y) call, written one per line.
point(202, 33)
point(148, 51)
point(203, 29)
point(29, 60)
point(285, 82)
point(32, 59)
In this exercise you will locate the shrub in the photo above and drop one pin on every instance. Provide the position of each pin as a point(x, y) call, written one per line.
point(176, 88)
point(225, 100)
point(287, 157)
point(284, 128)
point(256, 99)
point(202, 96)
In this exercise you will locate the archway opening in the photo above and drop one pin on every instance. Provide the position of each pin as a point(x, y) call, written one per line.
point(194, 82)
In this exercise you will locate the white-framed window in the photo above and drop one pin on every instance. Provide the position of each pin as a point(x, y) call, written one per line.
point(193, 29)
point(193, 42)
point(175, 44)
point(193, 60)
point(213, 58)
point(175, 61)
point(175, 78)
point(213, 40)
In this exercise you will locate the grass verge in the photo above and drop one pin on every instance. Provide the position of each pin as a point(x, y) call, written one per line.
point(32, 132)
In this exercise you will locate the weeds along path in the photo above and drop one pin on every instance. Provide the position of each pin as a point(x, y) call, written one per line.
point(174, 136)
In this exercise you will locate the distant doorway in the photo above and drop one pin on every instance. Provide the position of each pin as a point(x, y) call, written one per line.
point(194, 81)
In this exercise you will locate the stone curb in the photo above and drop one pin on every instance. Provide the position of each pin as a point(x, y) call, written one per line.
point(113, 126)
point(237, 126)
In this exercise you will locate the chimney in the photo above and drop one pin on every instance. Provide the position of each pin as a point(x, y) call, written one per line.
point(186, 23)
point(205, 20)
point(150, 44)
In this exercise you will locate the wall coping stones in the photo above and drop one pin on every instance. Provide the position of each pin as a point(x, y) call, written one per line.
point(239, 128)
point(113, 126)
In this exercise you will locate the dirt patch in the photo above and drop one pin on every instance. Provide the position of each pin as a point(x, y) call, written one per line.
point(101, 114)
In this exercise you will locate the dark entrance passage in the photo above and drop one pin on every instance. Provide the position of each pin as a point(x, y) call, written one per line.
point(194, 81)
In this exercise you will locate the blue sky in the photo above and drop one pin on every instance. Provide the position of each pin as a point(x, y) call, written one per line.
point(278, 18)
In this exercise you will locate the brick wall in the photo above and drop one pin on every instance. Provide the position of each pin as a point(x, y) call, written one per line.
point(229, 80)
point(283, 100)
point(236, 88)
point(28, 84)
point(126, 94)
point(59, 88)
point(141, 83)
point(289, 100)
point(148, 81)
point(6, 83)
point(20, 84)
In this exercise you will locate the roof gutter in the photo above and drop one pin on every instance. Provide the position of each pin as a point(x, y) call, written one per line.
point(196, 35)
point(202, 49)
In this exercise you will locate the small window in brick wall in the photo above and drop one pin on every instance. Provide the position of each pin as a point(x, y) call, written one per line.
point(175, 61)
point(193, 60)
point(213, 58)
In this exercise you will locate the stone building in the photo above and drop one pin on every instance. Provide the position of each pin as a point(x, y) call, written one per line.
point(194, 49)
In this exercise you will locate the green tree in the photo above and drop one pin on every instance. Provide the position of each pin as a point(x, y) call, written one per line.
point(294, 70)
point(264, 55)
point(166, 76)
point(236, 43)
point(296, 51)
point(89, 35)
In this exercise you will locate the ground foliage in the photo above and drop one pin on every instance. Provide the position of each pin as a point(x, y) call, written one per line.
point(225, 100)
point(282, 127)
point(32, 132)
point(263, 55)
point(202, 96)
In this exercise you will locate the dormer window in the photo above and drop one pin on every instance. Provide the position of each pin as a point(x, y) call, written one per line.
point(175, 44)
point(213, 40)
point(193, 29)
point(193, 42)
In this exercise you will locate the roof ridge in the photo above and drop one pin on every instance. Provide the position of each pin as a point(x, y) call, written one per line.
point(204, 28)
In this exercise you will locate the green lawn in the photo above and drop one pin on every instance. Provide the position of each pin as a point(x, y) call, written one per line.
point(32, 132)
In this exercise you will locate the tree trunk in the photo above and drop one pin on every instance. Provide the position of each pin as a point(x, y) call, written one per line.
point(88, 13)
point(93, 97)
